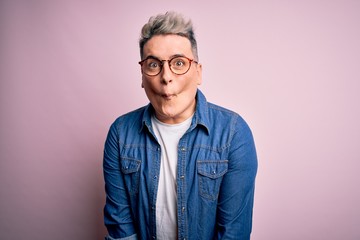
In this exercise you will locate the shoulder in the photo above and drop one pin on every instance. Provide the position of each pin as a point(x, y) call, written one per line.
point(137, 113)
point(225, 120)
point(217, 112)
point(130, 119)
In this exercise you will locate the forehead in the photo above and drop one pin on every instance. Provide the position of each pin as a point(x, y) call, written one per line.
point(165, 46)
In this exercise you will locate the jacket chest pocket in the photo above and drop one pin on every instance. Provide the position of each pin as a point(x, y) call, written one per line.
point(210, 173)
point(130, 169)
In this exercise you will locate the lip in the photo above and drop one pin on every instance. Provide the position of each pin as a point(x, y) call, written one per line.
point(167, 96)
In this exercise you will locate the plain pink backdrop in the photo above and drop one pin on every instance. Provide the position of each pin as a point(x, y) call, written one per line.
point(290, 68)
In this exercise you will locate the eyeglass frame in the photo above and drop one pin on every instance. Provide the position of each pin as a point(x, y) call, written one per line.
point(169, 60)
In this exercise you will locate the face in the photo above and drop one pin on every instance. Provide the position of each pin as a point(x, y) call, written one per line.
point(171, 95)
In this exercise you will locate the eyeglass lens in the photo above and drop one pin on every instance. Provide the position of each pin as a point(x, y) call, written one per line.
point(178, 65)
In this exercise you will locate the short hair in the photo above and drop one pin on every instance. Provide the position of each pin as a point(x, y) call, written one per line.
point(168, 23)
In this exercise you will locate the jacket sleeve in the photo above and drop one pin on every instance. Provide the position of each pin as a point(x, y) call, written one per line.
point(117, 212)
point(132, 237)
point(236, 197)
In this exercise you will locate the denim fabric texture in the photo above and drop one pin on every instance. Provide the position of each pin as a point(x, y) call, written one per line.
point(216, 172)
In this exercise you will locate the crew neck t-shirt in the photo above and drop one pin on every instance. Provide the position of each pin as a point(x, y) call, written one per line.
point(168, 136)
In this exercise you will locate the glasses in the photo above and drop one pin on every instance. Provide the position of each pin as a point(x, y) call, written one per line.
point(179, 65)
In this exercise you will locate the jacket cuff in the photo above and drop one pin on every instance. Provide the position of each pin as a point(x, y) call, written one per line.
point(132, 237)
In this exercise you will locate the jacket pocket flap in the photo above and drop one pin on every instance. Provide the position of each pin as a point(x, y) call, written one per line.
point(212, 168)
point(130, 165)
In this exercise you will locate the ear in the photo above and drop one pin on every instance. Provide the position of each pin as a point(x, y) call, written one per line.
point(199, 73)
point(142, 85)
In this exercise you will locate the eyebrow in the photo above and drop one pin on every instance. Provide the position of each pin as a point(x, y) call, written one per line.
point(151, 56)
point(177, 55)
point(172, 56)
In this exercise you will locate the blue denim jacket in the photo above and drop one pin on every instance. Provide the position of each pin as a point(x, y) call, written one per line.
point(216, 171)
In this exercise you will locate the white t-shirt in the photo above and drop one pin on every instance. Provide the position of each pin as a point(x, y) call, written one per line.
point(168, 136)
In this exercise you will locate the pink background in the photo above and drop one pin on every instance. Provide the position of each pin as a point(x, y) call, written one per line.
point(290, 68)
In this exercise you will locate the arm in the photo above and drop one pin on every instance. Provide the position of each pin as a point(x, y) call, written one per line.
point(235, 205)
point(117, 214)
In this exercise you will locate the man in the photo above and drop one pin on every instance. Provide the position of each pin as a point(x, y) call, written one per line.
point(180, 167)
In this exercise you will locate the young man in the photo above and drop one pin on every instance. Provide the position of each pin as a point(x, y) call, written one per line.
point(180, 167)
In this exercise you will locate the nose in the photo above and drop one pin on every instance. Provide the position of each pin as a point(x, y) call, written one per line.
point(166, 74)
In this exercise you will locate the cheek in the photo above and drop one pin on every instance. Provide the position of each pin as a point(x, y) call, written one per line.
point(150, 87)
point(147, 83)
point(191, 82)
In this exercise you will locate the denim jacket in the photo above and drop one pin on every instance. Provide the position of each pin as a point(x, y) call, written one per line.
point(216, 171)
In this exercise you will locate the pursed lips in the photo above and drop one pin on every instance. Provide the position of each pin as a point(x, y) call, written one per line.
point(167, 96)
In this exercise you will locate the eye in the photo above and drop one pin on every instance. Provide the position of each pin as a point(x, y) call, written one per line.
point(153, 64)
point(179, 62)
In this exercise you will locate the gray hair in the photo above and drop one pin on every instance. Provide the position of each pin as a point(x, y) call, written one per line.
point(168, 23)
